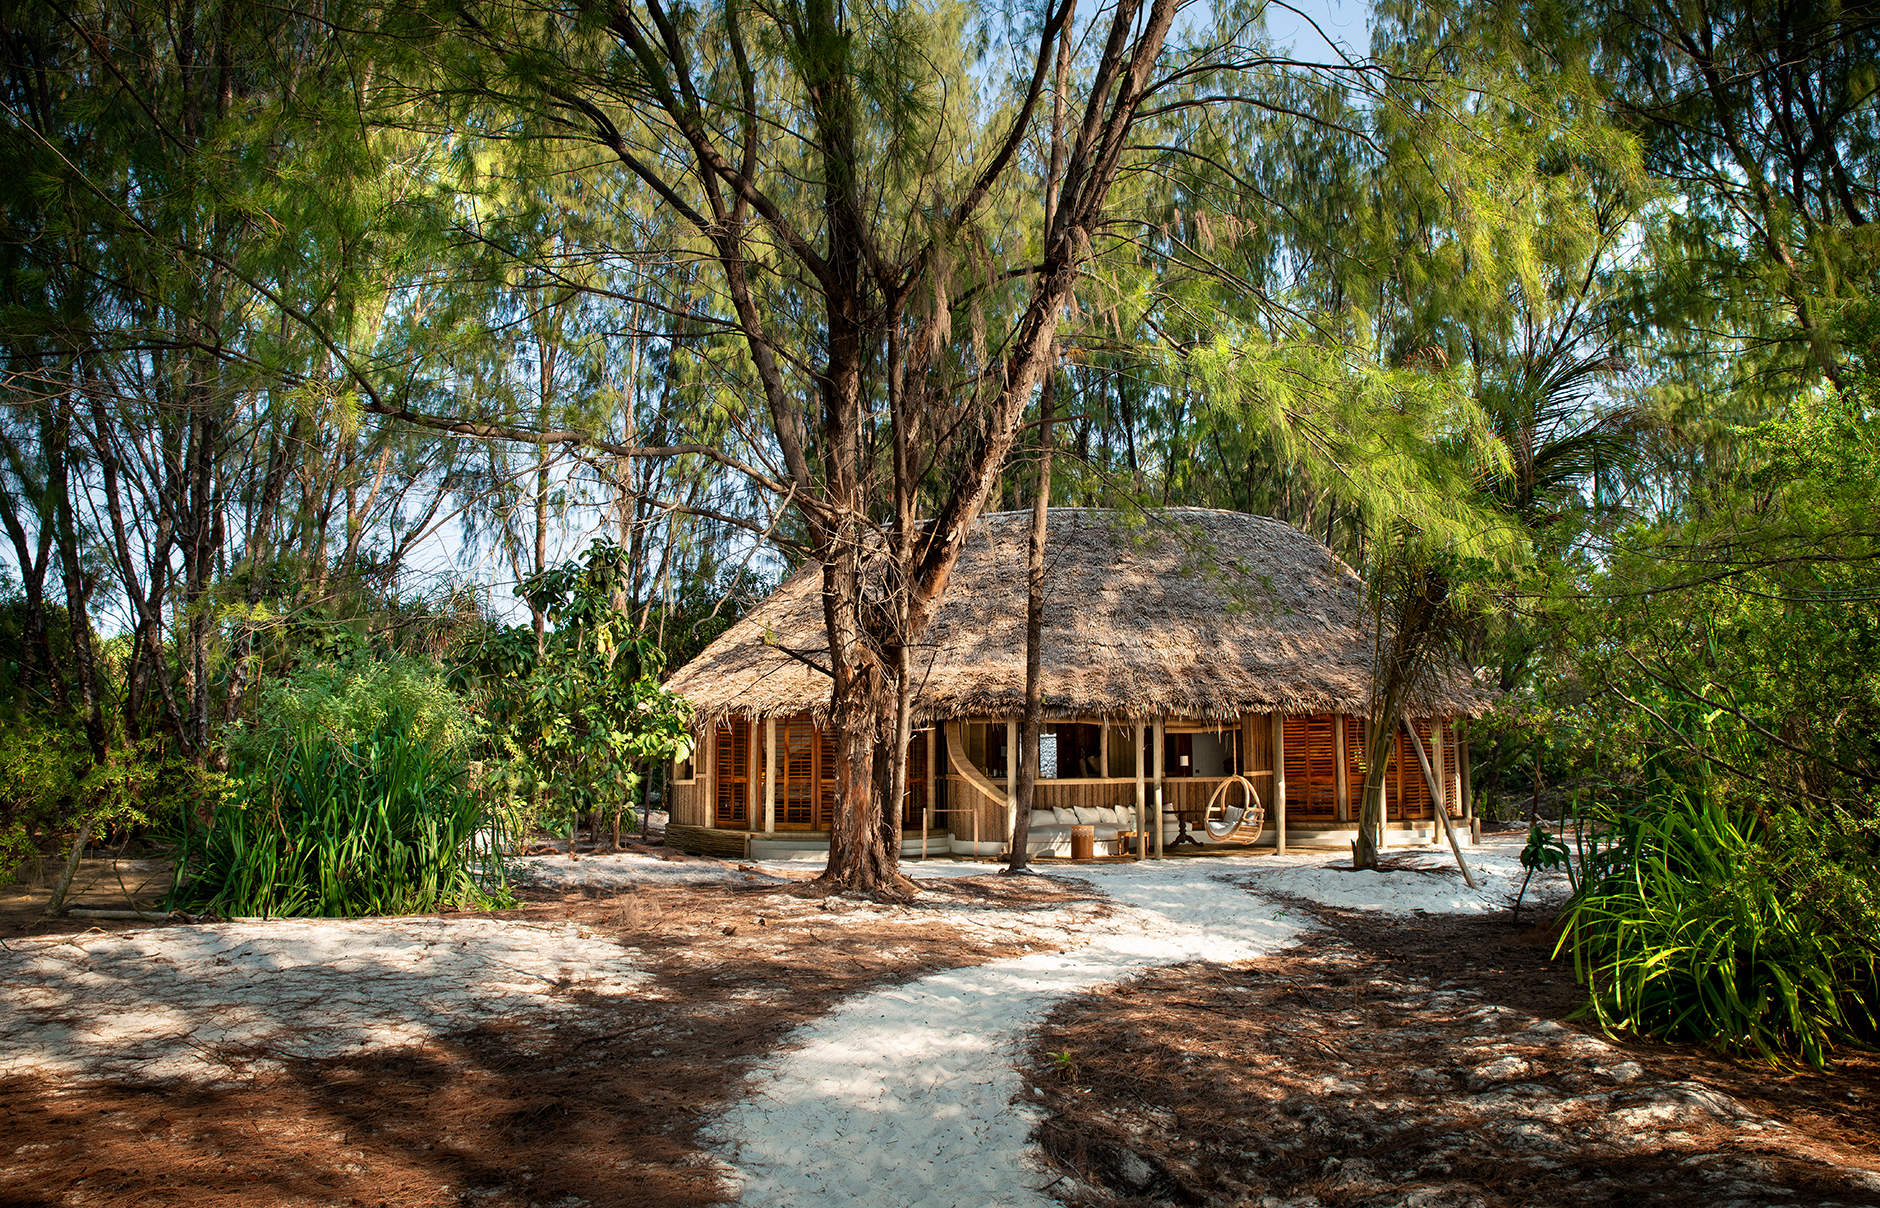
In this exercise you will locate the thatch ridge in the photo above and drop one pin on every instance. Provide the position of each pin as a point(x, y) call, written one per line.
point(1179, 612)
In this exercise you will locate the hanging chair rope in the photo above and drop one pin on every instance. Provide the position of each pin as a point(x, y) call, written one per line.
point(1242, 825)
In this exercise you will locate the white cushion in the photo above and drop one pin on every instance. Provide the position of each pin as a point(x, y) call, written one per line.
point(1085, 816)
point(1042, 818)
point(1065, 816)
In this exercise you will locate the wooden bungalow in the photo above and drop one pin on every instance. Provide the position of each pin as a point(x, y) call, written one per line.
point(1182, 648)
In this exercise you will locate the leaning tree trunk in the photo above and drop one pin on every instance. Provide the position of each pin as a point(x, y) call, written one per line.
point(1441, 806)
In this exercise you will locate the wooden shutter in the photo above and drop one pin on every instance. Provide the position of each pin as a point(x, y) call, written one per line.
point(1354, 764)
point(731, 768)
point(825, 777)
point(1311, 748)
point(914, 805)
point(1452, 787)
point(796, 806)
point(1415, 788)
point(1322, 763)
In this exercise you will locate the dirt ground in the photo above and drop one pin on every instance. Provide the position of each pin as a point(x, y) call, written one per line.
point(600, 1112)
point(1388, 1060)
point(1422, 1060)
point(137, 881)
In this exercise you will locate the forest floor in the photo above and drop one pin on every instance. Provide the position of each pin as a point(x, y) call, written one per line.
point(654, 1029)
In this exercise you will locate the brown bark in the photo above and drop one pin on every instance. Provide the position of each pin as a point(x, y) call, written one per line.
point(883, 579)
point(1032, 737)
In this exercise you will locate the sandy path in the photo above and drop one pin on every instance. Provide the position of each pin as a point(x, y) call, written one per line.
point(905, 1095)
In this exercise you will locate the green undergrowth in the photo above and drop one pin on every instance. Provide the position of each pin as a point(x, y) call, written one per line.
point(1752, 933)
point(379, 824)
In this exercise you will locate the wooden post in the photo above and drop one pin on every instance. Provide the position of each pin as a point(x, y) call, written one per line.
point(1343, 791)
point(770, 775)
point(1466, 774)
point(1142, 796)
point(750, 781)
point(1279, 784)
point(1011, 780)
point(1161, 758)
point(933, 810)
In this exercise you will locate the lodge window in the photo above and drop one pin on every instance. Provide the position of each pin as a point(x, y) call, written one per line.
point(1070, 751)
point(1201, 753)
point(806, 774)
point(1406, 792)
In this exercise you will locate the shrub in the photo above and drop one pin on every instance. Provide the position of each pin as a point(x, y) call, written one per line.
point(348, 700)
point(382, 824)
point(1745, 932)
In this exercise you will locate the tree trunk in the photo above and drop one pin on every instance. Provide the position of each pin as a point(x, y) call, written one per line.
point(56, 906)
point(858, 860)
point(1029, 751)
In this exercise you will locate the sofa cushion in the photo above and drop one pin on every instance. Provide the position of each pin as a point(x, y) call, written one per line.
point(1041, 818)
point(1065, 817)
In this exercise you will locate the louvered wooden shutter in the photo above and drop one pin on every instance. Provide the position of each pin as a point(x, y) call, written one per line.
point(799, 760)
point(1416, 789)
point(825, 776)
point(1293, 745)
point(1354, 762)
point(914, 807)
point(732, 773)
point(1321, 762)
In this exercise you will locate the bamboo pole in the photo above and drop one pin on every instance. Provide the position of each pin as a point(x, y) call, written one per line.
point(1279, 783)
point(770, 775)
point(1161, 758)
point(1011, 780)
point(1343, 782)
point(1142, 833)
point(932, 811)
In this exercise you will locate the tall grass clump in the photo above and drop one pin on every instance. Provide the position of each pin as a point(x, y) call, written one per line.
point(1750, 932)
point(350, 796)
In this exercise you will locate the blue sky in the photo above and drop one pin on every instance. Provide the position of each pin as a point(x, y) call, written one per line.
point(1343, 20)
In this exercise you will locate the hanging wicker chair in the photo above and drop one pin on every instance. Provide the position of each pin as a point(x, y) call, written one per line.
point(1236, 824)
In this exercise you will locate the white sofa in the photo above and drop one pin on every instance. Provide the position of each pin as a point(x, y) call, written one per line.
point(1050, 833)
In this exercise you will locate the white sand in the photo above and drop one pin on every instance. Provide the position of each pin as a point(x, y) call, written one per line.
point(219, 1001)
point(1325, 877)
point(618, 870)
point(902, 1095)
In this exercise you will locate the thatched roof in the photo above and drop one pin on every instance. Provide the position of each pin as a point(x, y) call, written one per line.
point(1180, 612)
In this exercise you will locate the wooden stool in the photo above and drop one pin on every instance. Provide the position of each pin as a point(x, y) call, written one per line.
point(1083, 842)
point(1123, 841)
